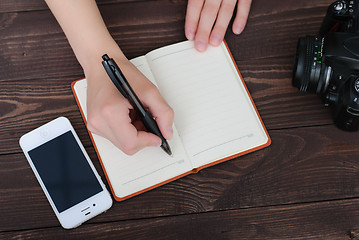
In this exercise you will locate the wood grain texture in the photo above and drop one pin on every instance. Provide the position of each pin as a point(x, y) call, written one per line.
point(38, 5)
point(310, 165)
point(336, 220)
point(35, 37)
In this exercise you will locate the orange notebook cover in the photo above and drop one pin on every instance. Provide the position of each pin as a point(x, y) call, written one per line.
point(215, 119)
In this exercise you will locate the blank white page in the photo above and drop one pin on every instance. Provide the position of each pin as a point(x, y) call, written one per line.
point(150, 166)
point(213, 112)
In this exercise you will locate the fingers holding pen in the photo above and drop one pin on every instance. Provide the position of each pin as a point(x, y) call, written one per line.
point(161, 111)
point(112, 120)
point(109, 114)
point(153, 100)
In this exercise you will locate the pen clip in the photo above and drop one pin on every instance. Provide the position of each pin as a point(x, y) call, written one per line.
point(111, 67)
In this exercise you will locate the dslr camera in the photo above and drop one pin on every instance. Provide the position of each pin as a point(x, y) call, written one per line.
point(329, 63)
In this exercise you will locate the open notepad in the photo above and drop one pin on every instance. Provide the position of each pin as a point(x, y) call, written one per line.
point(215, 118)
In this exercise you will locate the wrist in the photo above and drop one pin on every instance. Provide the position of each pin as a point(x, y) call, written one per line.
point(92, 55)
point(93, 68)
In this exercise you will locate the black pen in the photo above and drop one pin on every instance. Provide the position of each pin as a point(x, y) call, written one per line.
point(124, 87)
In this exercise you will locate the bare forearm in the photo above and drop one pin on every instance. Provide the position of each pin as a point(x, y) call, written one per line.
point(85, 30)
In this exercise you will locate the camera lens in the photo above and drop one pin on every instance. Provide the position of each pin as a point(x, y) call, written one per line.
point(310, 73)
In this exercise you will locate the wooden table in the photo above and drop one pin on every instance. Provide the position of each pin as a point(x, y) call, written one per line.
point(304, 186)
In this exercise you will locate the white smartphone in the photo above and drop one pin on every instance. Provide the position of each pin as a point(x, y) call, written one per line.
point(65, 172)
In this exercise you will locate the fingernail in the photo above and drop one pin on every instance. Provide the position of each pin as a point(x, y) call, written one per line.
point(215, 40)
point(238, 29)
point(190, 34)
point(200, 45)
point(157, 143)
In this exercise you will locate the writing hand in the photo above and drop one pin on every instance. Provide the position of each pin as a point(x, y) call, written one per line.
point(110, 115)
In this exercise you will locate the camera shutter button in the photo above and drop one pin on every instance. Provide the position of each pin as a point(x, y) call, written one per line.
point(332, 97)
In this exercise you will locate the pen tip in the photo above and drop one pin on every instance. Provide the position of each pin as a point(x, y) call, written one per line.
point(166, 147)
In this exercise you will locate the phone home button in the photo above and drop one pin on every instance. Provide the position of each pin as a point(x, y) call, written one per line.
point(44, 133)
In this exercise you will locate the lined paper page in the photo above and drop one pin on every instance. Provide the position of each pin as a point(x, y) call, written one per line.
point(150, 166)
point(213, 113)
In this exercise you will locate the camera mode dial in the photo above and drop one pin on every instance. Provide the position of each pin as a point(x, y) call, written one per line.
point(356, 85)
point(338, 6)
point(344, 8)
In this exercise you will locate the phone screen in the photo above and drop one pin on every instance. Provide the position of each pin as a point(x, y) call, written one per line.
point(64, 170)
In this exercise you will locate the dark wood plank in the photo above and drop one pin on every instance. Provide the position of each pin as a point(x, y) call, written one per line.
point(35, 43)
point(33, 103)
point(7, 6)
point(335, 220)
point(21, 5)
point(302, 165)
